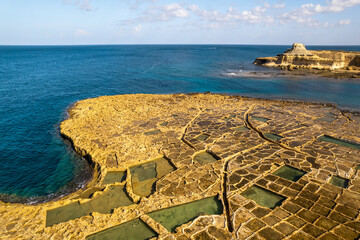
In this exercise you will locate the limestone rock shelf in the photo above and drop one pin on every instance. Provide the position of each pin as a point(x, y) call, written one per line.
point(204, 166)
point(331, 63)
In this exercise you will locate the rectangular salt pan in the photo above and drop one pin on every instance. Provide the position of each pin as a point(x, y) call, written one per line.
point(173, 217)
point(112, 198)
point(263, 197)
point(144, 176)
point(339, 181)
point(135, 229)
point(344, 143)
point(273, 136)
point(261, 119)
point(289, 173)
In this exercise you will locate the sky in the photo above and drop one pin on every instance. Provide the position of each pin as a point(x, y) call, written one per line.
point(73, 22)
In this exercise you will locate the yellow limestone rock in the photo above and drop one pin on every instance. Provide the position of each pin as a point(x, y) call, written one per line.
point(243, 187)
point(298, 57)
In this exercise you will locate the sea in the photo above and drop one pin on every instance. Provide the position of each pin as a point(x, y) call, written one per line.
point(39, 83)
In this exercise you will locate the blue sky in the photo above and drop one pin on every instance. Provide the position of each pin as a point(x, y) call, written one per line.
point(179, 22)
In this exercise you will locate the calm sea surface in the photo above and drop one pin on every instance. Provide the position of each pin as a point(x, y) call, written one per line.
point(38, 83)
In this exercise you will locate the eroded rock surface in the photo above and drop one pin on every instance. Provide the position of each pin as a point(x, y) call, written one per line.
point(340, 63)
point(204, 166)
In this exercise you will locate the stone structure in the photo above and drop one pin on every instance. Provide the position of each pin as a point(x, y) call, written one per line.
point(204, 166)
point(299, 58)
point(298, 49)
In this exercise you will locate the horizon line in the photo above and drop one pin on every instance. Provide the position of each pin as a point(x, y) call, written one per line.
point(169, 44)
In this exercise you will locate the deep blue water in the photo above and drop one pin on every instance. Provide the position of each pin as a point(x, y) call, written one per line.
point(38, 83)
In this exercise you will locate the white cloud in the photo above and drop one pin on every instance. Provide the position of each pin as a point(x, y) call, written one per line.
point(174, 10)
point(304, 13)
point(81, 33)
point(155, 13)
point(81, 4)
point(137, 3)
point(344, 22)
point(137, 28)
point(253, 16)
point(193, 7)
point(279, 5)
point(266, 5)
point(265, 14)
point(337, 5)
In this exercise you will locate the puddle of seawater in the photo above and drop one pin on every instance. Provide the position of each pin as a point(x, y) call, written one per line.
point(327, 119)
point(263, 197)
point(261, 119)
point(64, 213)
point(339, 181)
point(89, 192)
point(205, 158)
point(112, 198)
point(289, 173)
point(154, 132)
point(113, 177)
point(241, 129)
point(164, 124)
point(203, 137)
point(134, 229)
point(344, 143)
point(173, 217)
point(273, 136)
point(144, 176)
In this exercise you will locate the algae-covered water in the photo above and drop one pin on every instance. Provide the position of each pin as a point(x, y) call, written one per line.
point(173, 217)
point(38, 83)
point(135, 229)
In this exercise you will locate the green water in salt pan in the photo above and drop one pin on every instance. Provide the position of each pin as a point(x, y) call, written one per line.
point(261, 119)
point(241, 129)
point(273, 137)
point(110, 199)
point(344, 143)
point(263, 197)
point(205, 158)
point(132, 230)
point(173, 217)
point(339, 181)
point(327, 119)
point(164, 124)
point(89, 192)
point(113, 177)
point(203, 137)
point(289, 173)
point(154, 132)
point(144, 176)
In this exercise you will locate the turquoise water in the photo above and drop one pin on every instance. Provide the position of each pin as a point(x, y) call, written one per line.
point(38, 83)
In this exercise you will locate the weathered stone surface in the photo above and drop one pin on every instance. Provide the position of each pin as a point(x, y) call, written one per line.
point(121, 133)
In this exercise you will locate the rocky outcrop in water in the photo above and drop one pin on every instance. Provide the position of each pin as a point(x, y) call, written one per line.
point(298, 57)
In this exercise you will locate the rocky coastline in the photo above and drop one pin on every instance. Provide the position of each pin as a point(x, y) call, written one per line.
point(339, 64)
point(204, 166)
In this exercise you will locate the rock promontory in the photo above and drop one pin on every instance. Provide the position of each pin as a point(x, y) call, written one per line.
point(298, 57)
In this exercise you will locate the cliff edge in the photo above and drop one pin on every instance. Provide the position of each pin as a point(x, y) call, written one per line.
point(204, 166)
point(298, 57)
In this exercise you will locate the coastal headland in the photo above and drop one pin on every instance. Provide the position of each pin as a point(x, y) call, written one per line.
point(204, 166)
point(340, 64)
